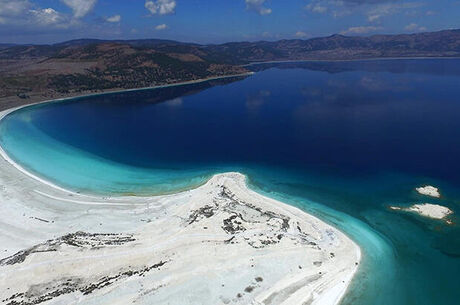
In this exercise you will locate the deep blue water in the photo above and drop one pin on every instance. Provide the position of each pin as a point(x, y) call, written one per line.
point(342, 140)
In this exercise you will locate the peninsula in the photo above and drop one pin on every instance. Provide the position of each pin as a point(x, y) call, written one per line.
point(218, 244)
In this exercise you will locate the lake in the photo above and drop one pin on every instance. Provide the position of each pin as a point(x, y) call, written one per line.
point(341, 140)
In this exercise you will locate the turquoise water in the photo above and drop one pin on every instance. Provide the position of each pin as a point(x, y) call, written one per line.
point(339, 140)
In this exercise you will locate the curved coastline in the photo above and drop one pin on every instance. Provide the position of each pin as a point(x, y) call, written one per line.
point(7, 158)
point(6, 112)
point(49, 218)
point(115, 91)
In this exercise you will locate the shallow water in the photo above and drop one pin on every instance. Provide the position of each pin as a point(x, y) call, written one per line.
point(340, 140)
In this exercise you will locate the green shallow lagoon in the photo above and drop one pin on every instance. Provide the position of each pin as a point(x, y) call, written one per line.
point(339, 140)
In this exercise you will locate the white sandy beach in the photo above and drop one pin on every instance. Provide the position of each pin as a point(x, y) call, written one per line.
point(221, 243)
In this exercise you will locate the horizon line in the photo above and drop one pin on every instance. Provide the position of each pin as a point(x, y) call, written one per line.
point(235, 41)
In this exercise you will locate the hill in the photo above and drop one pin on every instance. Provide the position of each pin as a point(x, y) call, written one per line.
point(338, 47)
point(42, 72)
point(89, 65)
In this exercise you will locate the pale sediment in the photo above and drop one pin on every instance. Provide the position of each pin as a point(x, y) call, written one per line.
point(221, 243)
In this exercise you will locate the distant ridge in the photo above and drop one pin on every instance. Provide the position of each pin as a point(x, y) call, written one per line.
point(131, 42)
point(428, 44)
point(444, 43)
point(6, 45)
point(89, 65)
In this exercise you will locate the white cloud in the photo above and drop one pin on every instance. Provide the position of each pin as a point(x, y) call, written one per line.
point(376, 13)
point(80, 8)
point(374, 10)
point(316, 8)
point(361, 30)
point(301, 34)
point(162, 7)
point(373, 18)
point(336, 8)
point(114, 18)
point(25, 13)
point(161, 27)
point(47, 16)
point(11, 8)
point(414, 27)
point(258, 6)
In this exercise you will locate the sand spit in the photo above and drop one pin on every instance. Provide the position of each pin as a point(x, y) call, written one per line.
point(221, 243)
point(429, 190)
point(434, 211)
point(218, 244)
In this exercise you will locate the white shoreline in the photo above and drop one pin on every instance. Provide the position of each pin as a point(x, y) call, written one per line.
point(4, 113)
point(34, 210)
point(7, 158)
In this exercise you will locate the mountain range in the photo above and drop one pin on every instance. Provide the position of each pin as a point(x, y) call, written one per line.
point(88, 65)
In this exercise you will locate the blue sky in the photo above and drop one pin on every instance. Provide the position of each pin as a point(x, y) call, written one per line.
point(216, 21)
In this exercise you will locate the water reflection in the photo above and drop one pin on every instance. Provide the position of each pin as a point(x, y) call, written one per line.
point(254, 101)
point(158, 95)
point(429, 66)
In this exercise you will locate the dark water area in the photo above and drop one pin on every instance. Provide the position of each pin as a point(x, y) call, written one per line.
point(341, 140)
point(296, 118)
point(442, 66)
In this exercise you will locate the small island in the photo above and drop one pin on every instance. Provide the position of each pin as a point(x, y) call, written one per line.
point(428, 190)
point(429, 210)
